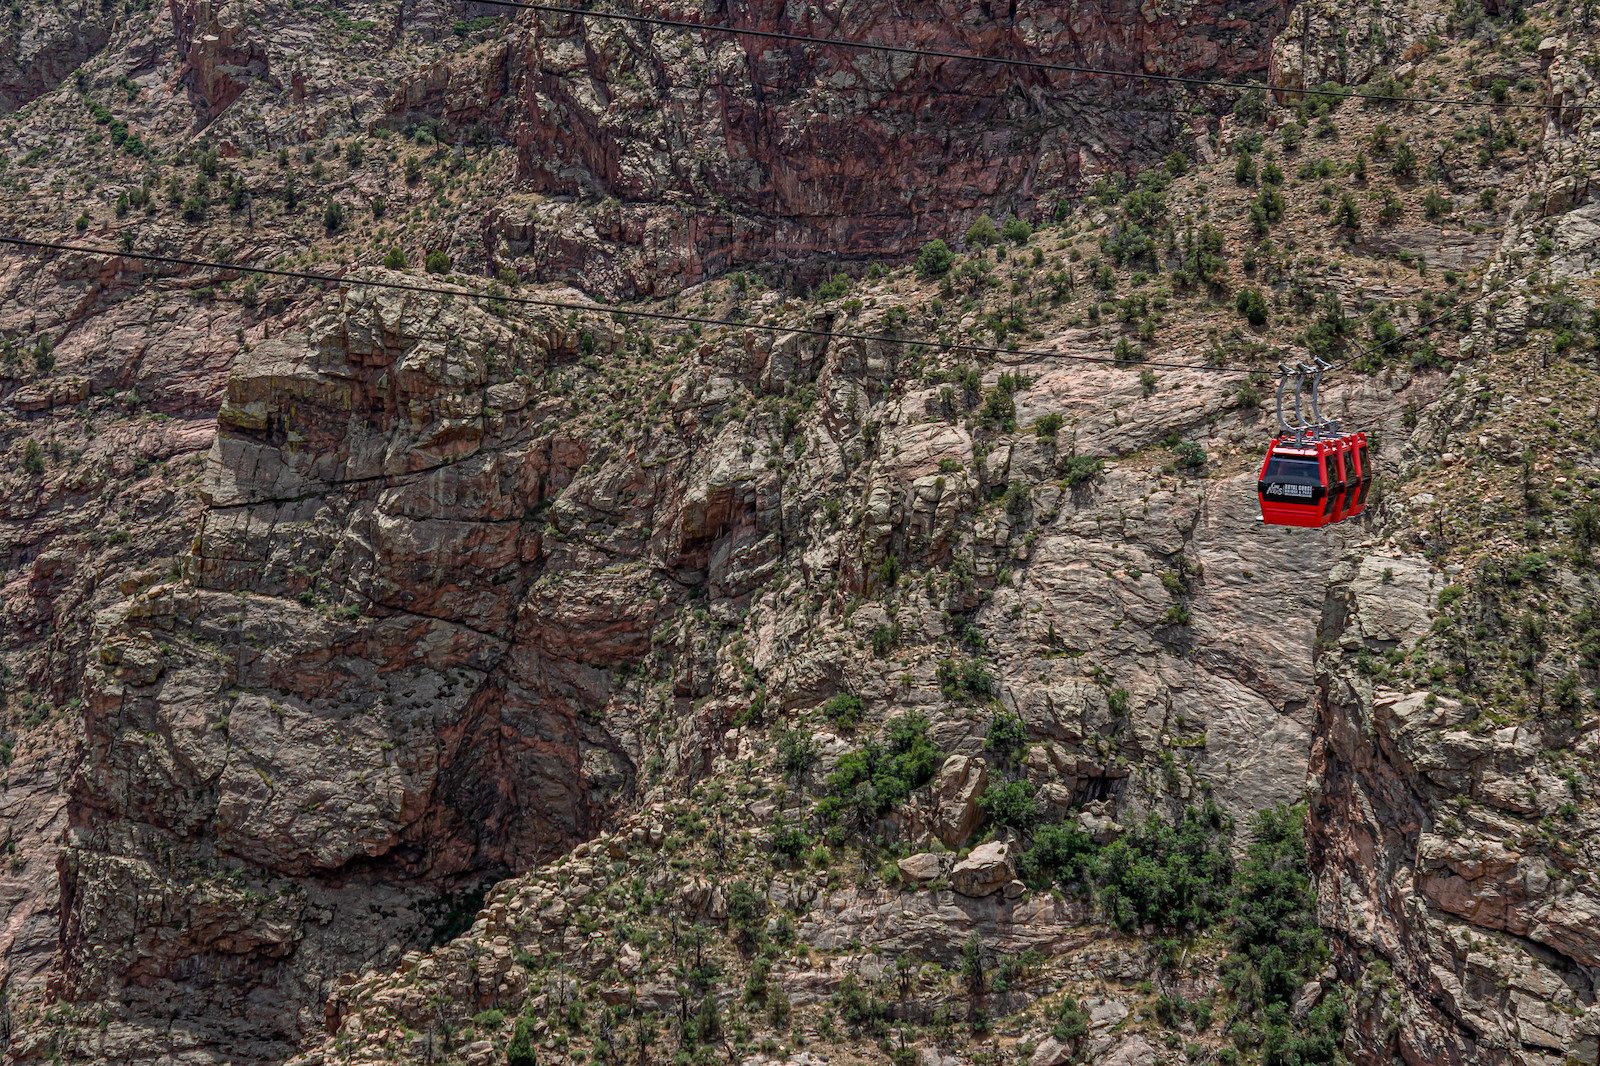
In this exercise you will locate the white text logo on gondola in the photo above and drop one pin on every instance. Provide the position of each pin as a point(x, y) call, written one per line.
point(1302, 491)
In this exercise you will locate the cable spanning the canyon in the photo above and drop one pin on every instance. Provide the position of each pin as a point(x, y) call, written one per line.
point(1031, 64)
point(597, 308)
point(698, 320)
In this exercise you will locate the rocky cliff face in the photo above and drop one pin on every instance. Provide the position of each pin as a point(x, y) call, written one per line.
point(665, 157)
point(1451, 815)
point(41, 45)
point(303, 749)
point(395, 676)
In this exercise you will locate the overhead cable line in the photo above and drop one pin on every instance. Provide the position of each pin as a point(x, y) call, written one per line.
point(699, 320)
point(573, 305)
point(1031, 64)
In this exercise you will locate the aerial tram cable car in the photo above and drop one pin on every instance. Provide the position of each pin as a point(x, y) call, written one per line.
point(1313, 474)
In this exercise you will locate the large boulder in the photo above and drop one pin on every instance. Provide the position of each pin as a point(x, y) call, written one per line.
point(1053, 1052)
point(1098, 823)
point(1055, 801)
point(961, 783)
point(988, 869)
point(923, 866)
point(1133, 1051)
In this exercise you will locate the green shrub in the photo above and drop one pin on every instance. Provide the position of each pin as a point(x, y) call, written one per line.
point(1202, 258)
point(1565, 693)
point(844, 710)
point(1404, 163)
point(1189, 455)
point(33, 458)
point(395, 259)
point(1059, 853)
point(1146, 205)
point(859, 1008)
point(1392, 208)
point(982, 233)
point(1017, 230)
point(1108, 190)
point(834, 287)
point(1011, 804)
point(1348, 216)
point(704, 1027)
point(1244, 171)
point(1076, 469)
point(1251, 105)
point(1016, 498)
point(1314, 1043)
point(520, 1051)
point(934, 259)
point(964, 680)
point(1170, 1010)
point(1434, 204)
point(789, 843)
point(999, 410)
point(880, 776)
point(437, 262)
point(1069, 1021)
point(1267, 209)
point(1327, 98)
point(1127, 243)
point(746, 909)
point(1007, 733)
point(1586, 526)
point(1047, 426)
point(1252, 306)
point(1277, 945)
point(885, 637)
point(1165, 875)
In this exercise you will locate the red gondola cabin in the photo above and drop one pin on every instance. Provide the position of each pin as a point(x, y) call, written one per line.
point(1313, 475)
point(1300, 483)
point(1363, 474)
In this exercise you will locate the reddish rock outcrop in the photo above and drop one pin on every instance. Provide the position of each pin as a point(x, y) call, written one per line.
point(670, 155)
point(219, 61)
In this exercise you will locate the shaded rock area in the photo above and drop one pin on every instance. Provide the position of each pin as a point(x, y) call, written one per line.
point(819, 154)
point(344, 761)
point(42, 45)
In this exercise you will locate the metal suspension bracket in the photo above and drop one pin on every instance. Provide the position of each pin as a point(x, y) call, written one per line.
point(1303, 431)
point(1326, 428)
point(1283, 379)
